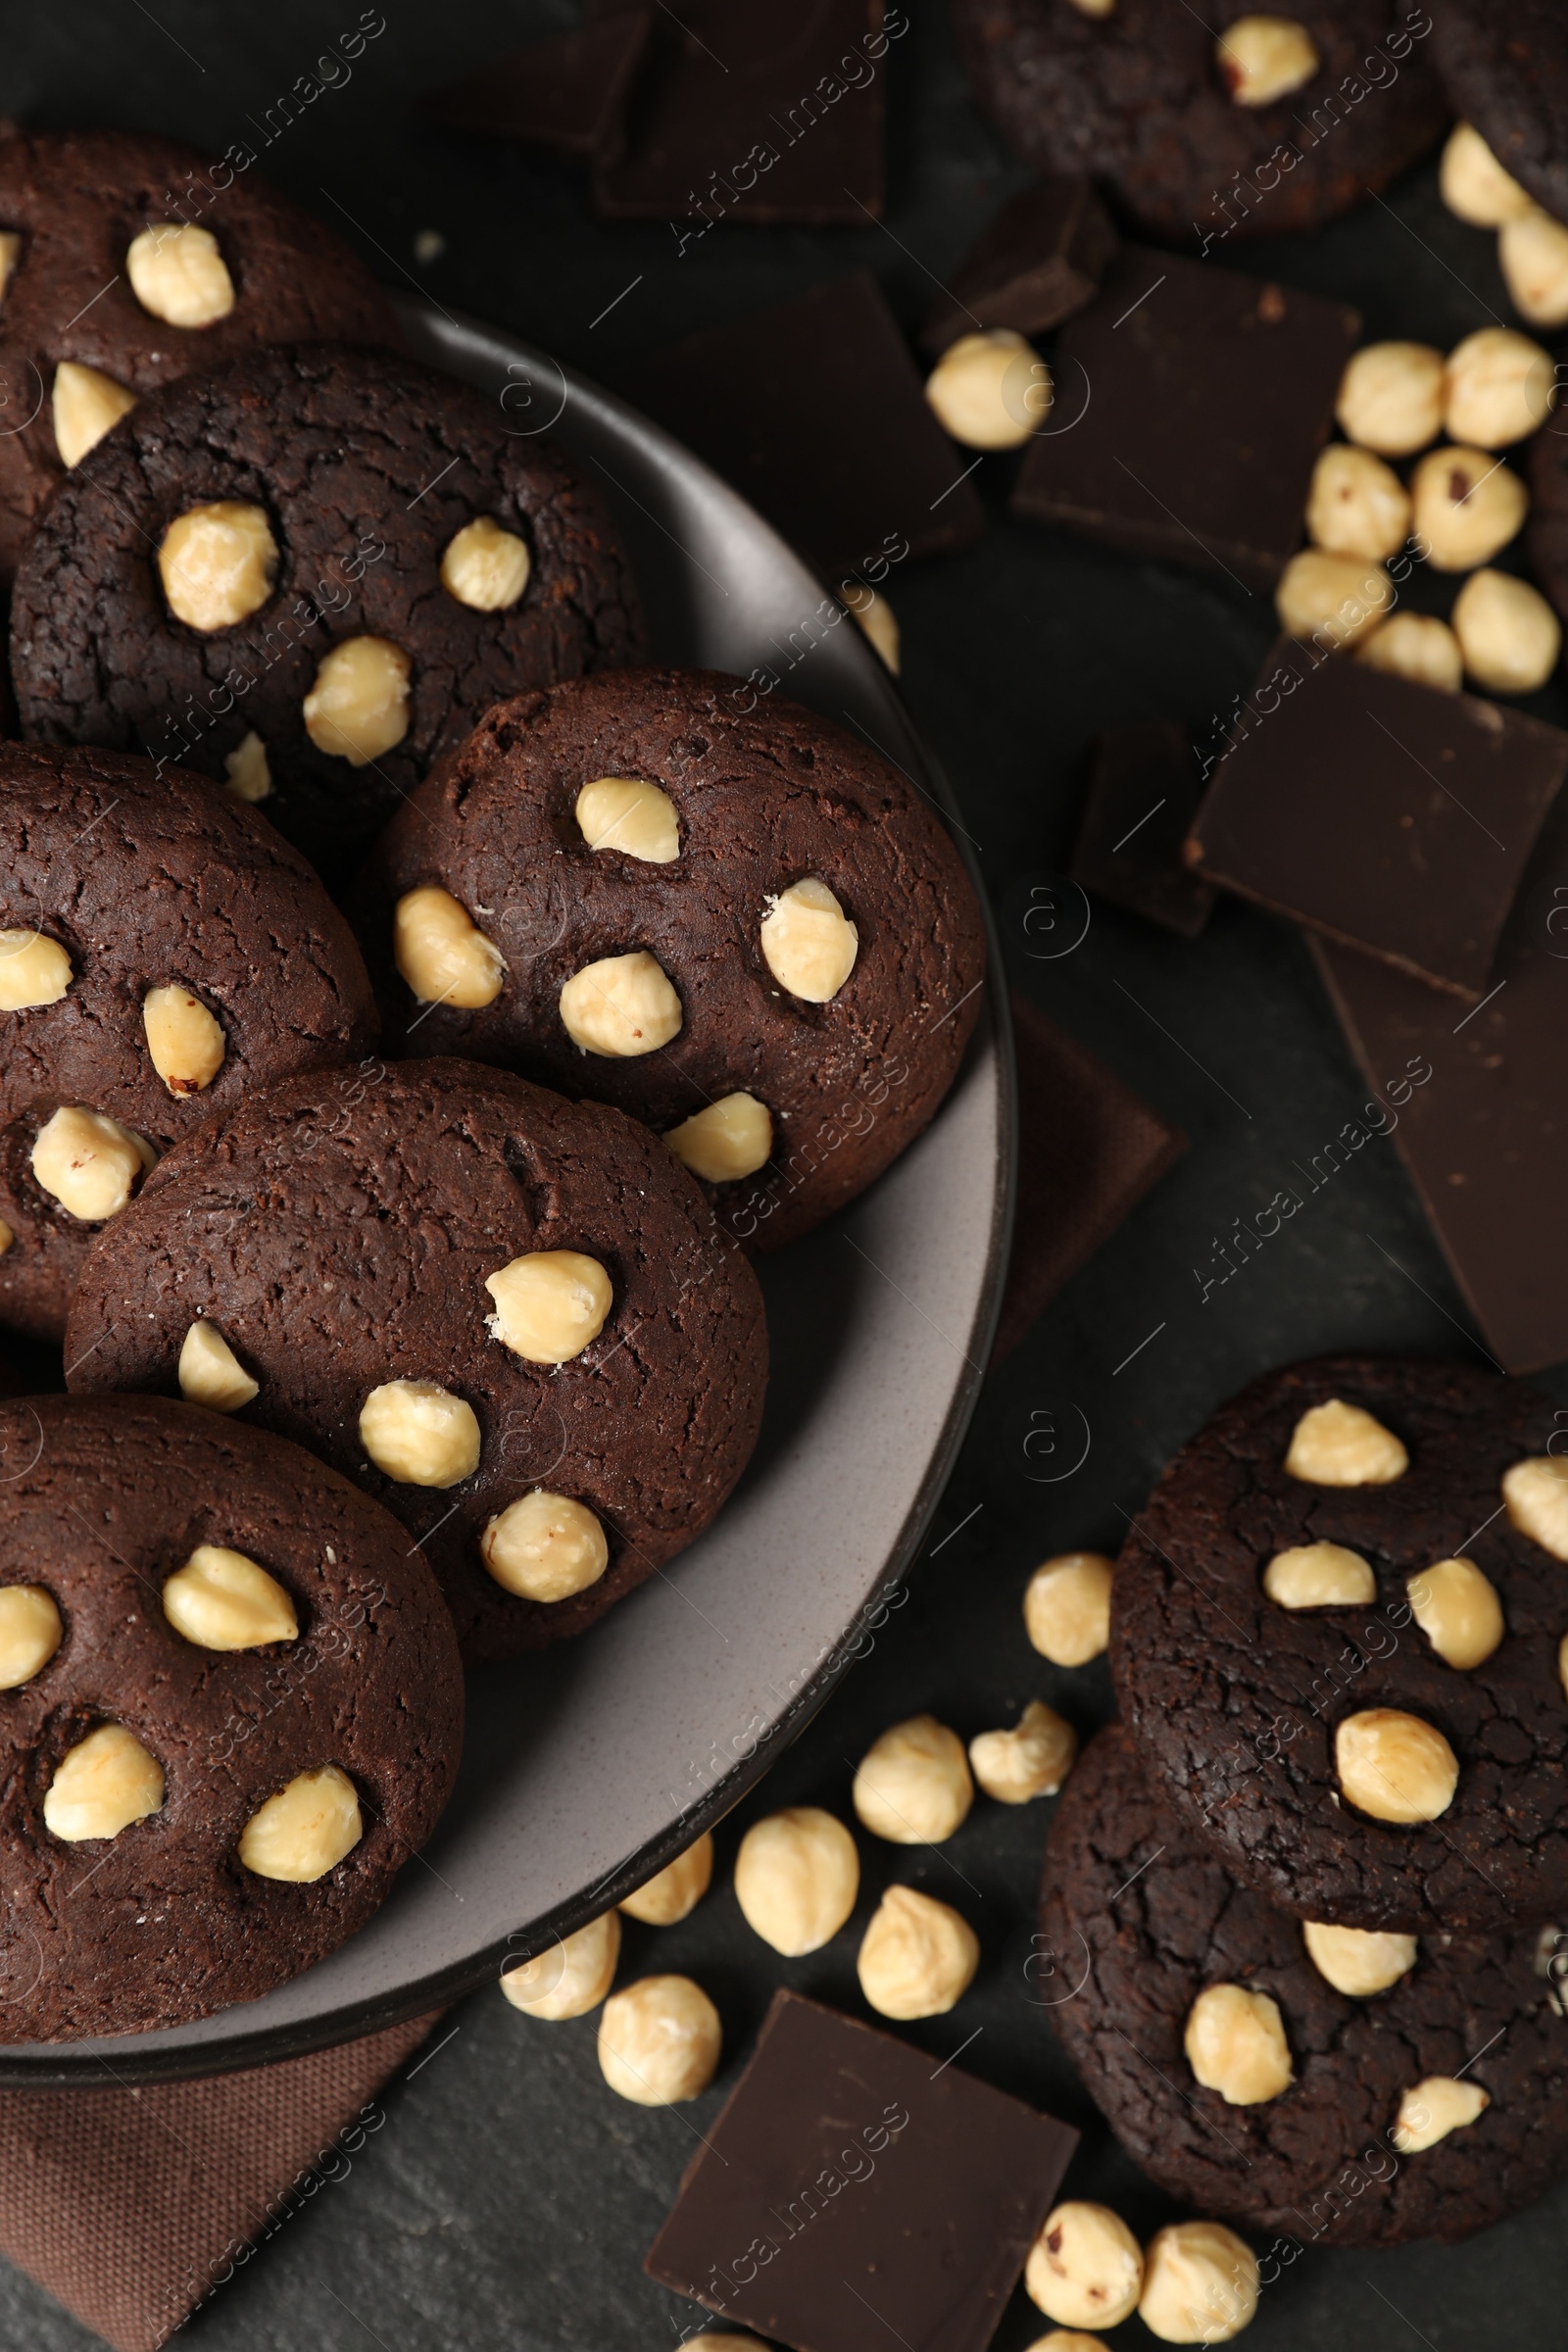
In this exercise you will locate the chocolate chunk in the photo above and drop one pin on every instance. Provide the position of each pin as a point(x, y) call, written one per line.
point(1042, 258)
point(845, 2178)
point(1191, 403)
point(1141, 798)
point(1390, 817)
point(569, 93)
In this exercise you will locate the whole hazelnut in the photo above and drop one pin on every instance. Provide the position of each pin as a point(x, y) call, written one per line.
point(620, 1007)
point(545, 1547)
point(989, 390)
point(306, 1830)
point(1498, 386)
point(797, 1876)
point(1416, 646)
point(177, 274)
point(441, 951)
point(1339, 1445)
point(218, 563)
point(1458, 1610)
point(88, 1162)
point(247, 770)
point(419, 1434)
point(1199, 2284)
point(30, 1632)
point(358, 705)
point(1534, 252)
point(660, 2042)
point(484, 566)
point(671, 1892)
point(1465, 505)
point(225, 1600)
point(1261, 59)
point(1067, 1607)
point(1358, 1961)
point(728, 1139)
point(1394, 1766)
point(1332, 599)
point(808, 942)
point(1508, 634)
point(629, 815)
point(1435, 2108)
point(210, 1373)
point(572, 1977)
point(550, 1304)
point(1031, 1760)
point(1534, 1493)
point(102, 1785)
point(186, 1041)
point(913, 1785)
point(1357, 505)
point(1235, 2043)
point(1085, 2267)
point(34, 971)
point(85, 405)
point(1391, 397)
point(1474, 184)
point(918, 1956)
point(1319, 1576)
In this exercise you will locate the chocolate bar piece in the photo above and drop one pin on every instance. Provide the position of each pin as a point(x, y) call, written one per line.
point(1142, 797)
point(1191, 404)
point(1042, 258)
point(567, 93)
point(1390, 816)
point(854, 2192)
point(816, 414)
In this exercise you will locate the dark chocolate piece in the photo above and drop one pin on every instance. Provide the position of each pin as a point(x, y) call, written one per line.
point(1191, 404)
point(1143, 796)
point(1042, 258)
point(854, 2192)
point(569, 93)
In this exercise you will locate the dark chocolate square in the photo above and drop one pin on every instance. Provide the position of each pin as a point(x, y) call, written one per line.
point(1042, 258)
point(1191, 404)
point(1390, 816)
point(567, 93)
point(1142, 797)
point(854, 2192)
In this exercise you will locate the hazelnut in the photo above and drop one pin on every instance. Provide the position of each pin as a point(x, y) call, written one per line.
point(1357, 505)
point(913, 1785)
point(1458, 1610)
point(1335, 597)
point(185, 1043)
point(916, 1957)
point(1474, 184)
point(247, 770)
point(221, 1601)
point(572, 1977)
point(1562, 1664)
point(1264, 58)
point(305, 1830)
point(676, 1890)
point(1499, 387)
point(1465, 505)
point(878, 622)
point(7, 1238)
point(419, 1434)
point(1391, 397)
point(484, 566)
point(1435, 2108)
point(359, 707)
point(1508, 634)
point(1199, 2284)
point(1094, 7)
point(1235, 2044)
point(545, 1548)
point(1418, 647)
point(10, 255)
point(88, 1162)
point(1319, 1576)
point(209, 1372)
point(1066, 1608)
point(628, 814)
point(1085, 2267)
point(1536, 1493)
point(177, 274)
point(1358, 1961)
point(441, 951)
point(550, 1304)
point(1337, 1445)
point(218, 563)
point(620, 1007)
point(989, 390)
point(660, 2040)
point(733, 1136)
point(1031, 1760)
point(1066, 2339)
point(103, 1783)
point(1534, 252)
point(808, 942)
point(30, 1632)
point(85, 405)
point(797, 1876)
point(1394, 1766)
point(34, 971)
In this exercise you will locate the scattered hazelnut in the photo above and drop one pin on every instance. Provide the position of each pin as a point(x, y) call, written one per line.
point(913, 1785)
point(1319, 1576)
point(572, 1977)
point(247, 769)
point(185, 1043)
point(1435, 2108)
point(918, 1956)
point(1499, 387)
point(797, 1876)
point(628, 814)
point(305, 1830)
point(1508, 634)
point(1357, 506)
point(1358, 1961)
point(1394, 1766)
point(30, 1632)
point(10, 255)
point(209, 1372)
point(34, 971)
point(1458, 1610)
point(85, 405)
point(177, 274)
point(441, 951)
point(877, 619)
point(1416, 646)
point(660, 2040)
point(620, 1007)
point(1337, 1445)
point(1062, 2340)
point(1391, 397)
point(1066, 1608)
point(484, 566)
point(1536, 1493)
point(359, 707)
point(1085, 2267)
point(419, 1434)
point(550, 1304)
point(1335, 597)
point(1264, 58)
point(218, 563)
point(676, 1890)
point(88, 1162)
point(1474, 184)
point(1235, 2044)
point(221, 1601)
point(731, 1137)
point(989, 390)
point(545, 1548)
point(1031, 1760)
point(1465, 505)
point(808, 942)
point(1199, 2284)
point(103, 1783)
point(1534, 252)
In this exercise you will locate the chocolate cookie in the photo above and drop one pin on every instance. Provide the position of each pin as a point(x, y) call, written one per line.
point(509, 1317)
point(1139, 1922)
point(714, 909)
point(131, 259)
point(1178, 122)
point(1505, 72)
point(1335, 1637)
point(195, 1619)
point(161, 951)
point(309, 574)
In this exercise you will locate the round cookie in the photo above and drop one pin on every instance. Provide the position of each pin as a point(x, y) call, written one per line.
point(270, 573)
point(71, 206)
point(340, 1232)
point(1136, 99)
point(103, 1502)
point(1239, 1702)
point(1505, 70)
point(711, 809)
point(139, 909)
point(1140, 1920)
